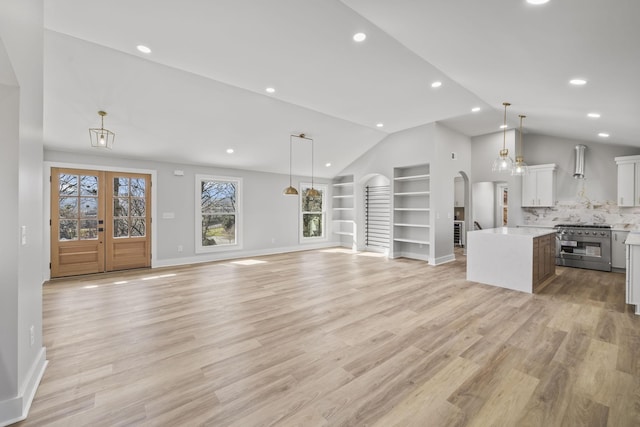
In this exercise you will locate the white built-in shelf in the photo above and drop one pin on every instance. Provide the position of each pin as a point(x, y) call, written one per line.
point(411, 213)
point(411, 178)
point(343, 222)
point(417, 242)
point(412, 193)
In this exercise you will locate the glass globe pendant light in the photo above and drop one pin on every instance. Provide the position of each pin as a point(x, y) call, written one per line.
point(520, 167)
point(504, 163)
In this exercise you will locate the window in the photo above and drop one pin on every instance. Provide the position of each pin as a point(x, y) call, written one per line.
point(217, 213)
point(313, 213)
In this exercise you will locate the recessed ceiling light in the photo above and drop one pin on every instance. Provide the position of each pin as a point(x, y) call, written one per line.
point(503, 126)
point(578, 82)
point(328, 165)
point(537, 2)
point(436, 84)
point(603, 135)
point(594, 115)
point(379, 125)
point(142, 48)
point(229, 150)
point(359, 37)
point(475, 109)
point(270, 90)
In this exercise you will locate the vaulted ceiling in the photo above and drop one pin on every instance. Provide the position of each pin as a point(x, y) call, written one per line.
point(201, 90)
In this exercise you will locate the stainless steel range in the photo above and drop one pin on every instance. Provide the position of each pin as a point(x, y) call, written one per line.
point(584, 246)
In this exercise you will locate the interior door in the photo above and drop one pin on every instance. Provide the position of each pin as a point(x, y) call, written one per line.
point(127, 240)
point(100, 221)
point(77, 222)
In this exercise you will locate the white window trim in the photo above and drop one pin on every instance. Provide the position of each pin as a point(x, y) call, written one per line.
point(324, 189)
point(199, 249)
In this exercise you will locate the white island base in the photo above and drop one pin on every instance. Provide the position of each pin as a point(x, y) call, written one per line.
point(522, 259)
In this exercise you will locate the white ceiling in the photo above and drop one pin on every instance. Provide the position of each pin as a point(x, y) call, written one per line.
point(202, 89)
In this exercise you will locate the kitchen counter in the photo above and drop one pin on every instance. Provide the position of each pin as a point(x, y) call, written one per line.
point(633, 270)
point(521, 258)
point(633, 238)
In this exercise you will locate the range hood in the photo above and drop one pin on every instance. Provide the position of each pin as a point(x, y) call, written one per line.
point(578, 172)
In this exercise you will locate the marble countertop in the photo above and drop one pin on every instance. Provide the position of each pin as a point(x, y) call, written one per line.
point(517, 231)
point(633, 238)
point(614, 227)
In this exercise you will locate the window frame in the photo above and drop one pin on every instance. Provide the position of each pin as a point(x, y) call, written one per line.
point(304, 186)
point(199, 247)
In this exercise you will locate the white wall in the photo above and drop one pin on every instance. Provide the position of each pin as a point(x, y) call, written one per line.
point(445, 170)
point(269, 223)
point(601, 172)
point(432, 144)
point(22, 360)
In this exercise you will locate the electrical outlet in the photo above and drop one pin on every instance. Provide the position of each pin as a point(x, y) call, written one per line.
point(180, 248)
point(32, 335)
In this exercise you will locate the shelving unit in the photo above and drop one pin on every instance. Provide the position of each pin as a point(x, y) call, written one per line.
point(343, 210)
point(411, 213)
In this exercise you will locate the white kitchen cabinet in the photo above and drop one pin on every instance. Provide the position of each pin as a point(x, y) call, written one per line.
point(539, 186)
point(458, 193)
point(618, 249)
point(628, 180)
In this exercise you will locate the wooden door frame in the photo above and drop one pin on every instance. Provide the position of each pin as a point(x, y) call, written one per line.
point(48, 165)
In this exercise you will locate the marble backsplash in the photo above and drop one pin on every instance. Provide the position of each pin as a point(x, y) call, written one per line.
point(590, 212)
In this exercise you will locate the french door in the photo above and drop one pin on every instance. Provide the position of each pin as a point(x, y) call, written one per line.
point(100, 221)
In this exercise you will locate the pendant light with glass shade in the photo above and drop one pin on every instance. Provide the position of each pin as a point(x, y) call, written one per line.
point(101, 137)
point(503, 163)
point(520, 167)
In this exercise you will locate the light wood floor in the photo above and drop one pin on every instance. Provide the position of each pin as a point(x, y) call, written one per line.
point(327, 338)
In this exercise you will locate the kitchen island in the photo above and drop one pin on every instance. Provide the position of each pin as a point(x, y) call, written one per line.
point(522, 259)
point(633, 270)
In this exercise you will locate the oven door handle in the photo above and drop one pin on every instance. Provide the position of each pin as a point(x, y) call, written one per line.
point(570, 256)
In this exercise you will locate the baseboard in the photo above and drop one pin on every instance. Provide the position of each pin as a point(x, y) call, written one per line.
point(17, 408)
point(444, 259)
point(244, 254)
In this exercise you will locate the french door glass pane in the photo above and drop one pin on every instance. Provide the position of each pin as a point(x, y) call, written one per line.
point(138, 227)
point(218, 230)
point(137, 207)
point(68, 207)
point(88, 229)
point(137, 187)
point(121, 206)
point(88, 207)
point(67, 185)
point(88, 185)
point(68, 229)
point(121, 227)
point(120, 186)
